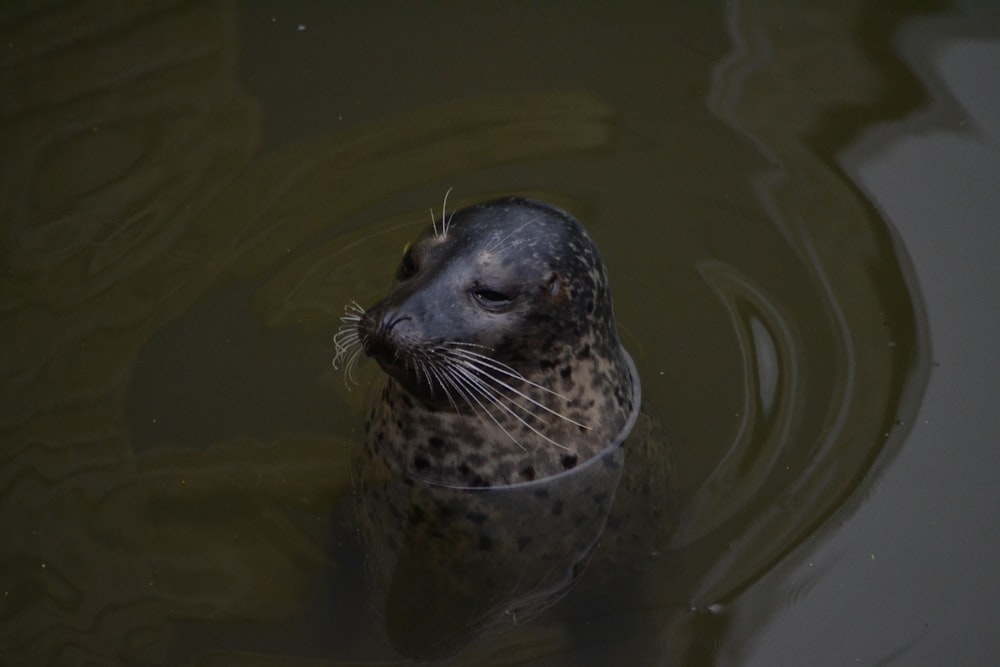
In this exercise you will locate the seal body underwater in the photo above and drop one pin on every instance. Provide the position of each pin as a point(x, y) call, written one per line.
point(499, 342)
point(496, 467)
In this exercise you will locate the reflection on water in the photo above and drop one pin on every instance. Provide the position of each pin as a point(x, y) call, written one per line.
point(838, 339)
point(162, 274)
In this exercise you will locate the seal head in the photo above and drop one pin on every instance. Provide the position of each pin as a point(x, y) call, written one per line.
point(499, 342)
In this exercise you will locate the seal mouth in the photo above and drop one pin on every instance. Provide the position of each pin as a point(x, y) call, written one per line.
point(384, 341)
point(419, 384)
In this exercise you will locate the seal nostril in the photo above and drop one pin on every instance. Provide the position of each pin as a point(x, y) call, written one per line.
point(377, 340)
point(388, 326)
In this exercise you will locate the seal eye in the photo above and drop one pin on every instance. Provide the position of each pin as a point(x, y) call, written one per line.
point(490, 299)
point(408, 267)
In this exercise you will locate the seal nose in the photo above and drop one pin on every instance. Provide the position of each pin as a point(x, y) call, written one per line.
point(377, 334)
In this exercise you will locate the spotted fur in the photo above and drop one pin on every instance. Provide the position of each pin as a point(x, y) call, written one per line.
point(500, 348)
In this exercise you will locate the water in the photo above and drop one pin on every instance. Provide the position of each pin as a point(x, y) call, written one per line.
point(190, 195)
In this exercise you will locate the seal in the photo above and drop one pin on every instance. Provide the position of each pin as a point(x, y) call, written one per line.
point(500, 349)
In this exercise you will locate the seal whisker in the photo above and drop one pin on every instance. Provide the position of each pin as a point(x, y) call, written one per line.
point(479, 385)
point(348, 345)
point(445, 218)
point(429, 368)
point(347, 333)
point(346, 337)
point(350, 368)
point(420, 367)
point(462, 343)
point(352, 312)
point(505, 369)
point(445, 221)
point(448, 379)
point(499, 366)
point(343, 342)
point(481, 375)
point(441, 380)
point(482, 368)
point(461, 380)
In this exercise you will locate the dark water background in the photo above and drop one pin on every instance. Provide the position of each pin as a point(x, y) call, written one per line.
point(798, 206)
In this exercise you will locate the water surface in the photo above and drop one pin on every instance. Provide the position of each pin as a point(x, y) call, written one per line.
point(191, 193)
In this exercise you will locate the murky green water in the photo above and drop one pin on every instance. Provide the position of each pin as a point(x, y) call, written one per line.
point(190, 193)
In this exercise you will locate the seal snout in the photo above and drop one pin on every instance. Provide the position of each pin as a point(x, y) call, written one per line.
point(377, 335)
point(392, 340)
